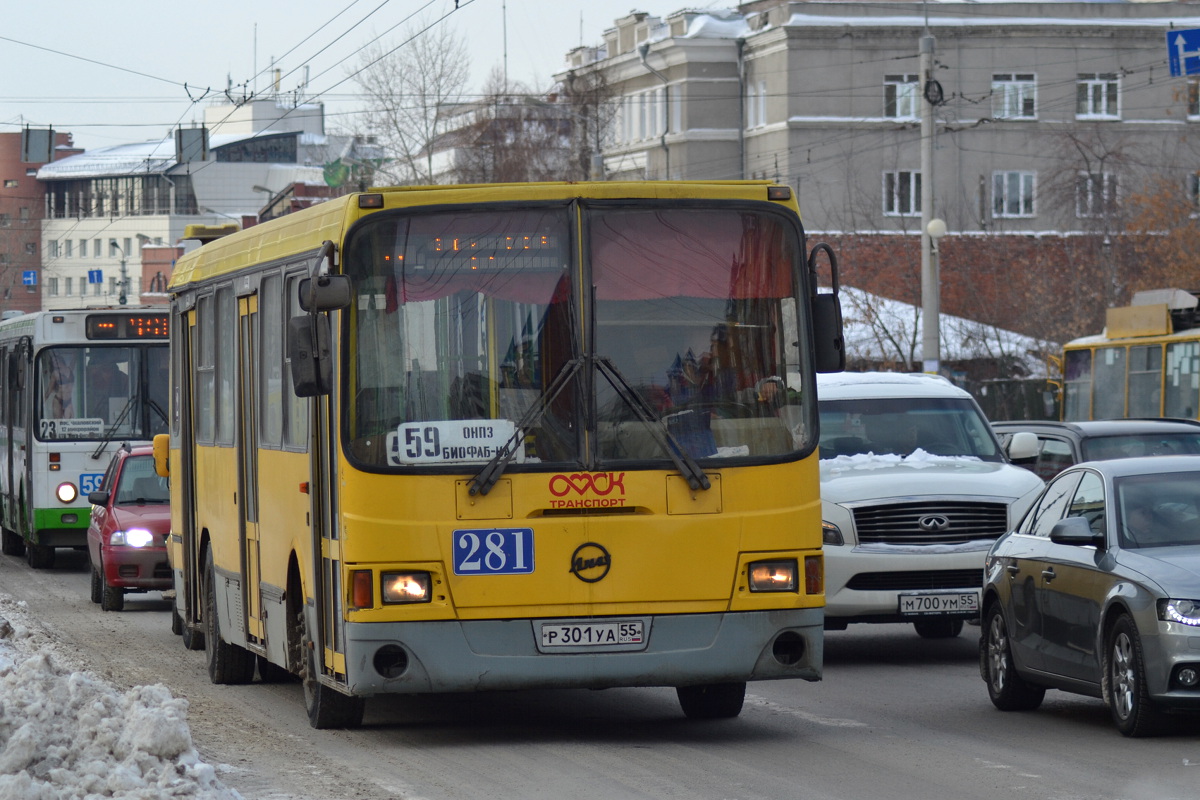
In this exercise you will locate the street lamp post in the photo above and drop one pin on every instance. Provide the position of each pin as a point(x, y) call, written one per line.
point(123, 297)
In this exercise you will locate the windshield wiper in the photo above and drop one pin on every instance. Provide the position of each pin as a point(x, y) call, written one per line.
point(108, 435)
point(662, 434)
point(491, 472)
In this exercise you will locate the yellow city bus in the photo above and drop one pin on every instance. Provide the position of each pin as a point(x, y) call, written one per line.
point(463, 438)
point(1146, 362)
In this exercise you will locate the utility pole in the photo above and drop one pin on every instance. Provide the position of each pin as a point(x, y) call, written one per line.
point(930, 279)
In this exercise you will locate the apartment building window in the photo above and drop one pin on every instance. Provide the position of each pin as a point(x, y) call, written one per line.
point(31, 248)
point(1013, 96)
point(96, 248)
point(67, 248)
point(1194, 191)
point(68, 285)
point(82, 250)
point(1096, 95)
point(1012, 194)
point(900, 96)
point(901, 193)
point(54, 248)
point(5, 220)
point(96, 287)
point(1095, 194)
point(52, 286)
point(756, 104)
point(1193, 97)
point(112, 286)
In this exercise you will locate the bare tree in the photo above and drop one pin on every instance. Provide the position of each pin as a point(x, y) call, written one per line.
point(593, 112)
point(410, 90)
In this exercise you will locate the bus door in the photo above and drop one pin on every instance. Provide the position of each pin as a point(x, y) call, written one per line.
point(185, 400)
point(247, 439)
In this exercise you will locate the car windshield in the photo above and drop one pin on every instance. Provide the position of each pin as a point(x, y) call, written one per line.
point(139, 483)
point(1159, 510)
point(1131, 445)
point(938, 426)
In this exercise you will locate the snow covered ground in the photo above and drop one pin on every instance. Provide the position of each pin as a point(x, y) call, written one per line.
point(66, 734)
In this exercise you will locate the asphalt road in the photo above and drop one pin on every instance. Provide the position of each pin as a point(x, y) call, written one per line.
point(897, 717)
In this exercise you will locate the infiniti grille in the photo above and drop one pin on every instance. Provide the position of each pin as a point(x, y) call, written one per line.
point(930, 522)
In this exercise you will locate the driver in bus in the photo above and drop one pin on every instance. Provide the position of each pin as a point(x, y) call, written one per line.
point(105, 381)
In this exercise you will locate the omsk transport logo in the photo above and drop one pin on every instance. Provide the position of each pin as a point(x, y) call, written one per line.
point(590, 562)
point(588, 490)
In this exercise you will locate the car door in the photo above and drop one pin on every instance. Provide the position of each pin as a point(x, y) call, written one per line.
point(1075, 579)
point(1021, 557)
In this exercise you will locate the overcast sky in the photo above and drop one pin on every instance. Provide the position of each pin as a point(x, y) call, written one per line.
point(127, 70)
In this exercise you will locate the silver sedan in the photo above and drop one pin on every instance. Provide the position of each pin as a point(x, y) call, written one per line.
point(1097, 592)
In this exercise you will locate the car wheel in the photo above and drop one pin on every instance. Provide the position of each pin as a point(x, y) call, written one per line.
point(1008, 691)
point(227, 663)
point(938, 628)
point(113, 598)
point(1134, 713)
point(12, 543)
point(326, 706)
point(97, 585)
point(712, 701)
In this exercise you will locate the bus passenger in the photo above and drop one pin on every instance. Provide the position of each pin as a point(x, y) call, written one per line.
point(105, 381)
point(59, 388)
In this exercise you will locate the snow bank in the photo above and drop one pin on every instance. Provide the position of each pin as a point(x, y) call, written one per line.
point(70, 735)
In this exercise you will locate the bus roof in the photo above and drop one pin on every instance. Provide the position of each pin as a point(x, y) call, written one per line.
point(302, 232)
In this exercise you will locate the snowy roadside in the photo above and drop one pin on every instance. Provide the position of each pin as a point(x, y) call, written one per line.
point(67, 734)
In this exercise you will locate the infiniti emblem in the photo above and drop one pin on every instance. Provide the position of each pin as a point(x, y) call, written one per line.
point(933, 523)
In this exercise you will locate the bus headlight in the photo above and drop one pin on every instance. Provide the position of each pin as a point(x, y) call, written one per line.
point(66, 492)
point(134, 537)
point(404, 587)
point(773, 576)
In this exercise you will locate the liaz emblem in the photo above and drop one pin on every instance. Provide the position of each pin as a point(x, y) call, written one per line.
point(590, 562)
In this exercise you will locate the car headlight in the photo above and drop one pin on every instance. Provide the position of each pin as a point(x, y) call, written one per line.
point(773, 576)
point(1186, 612)
point(405, 587)
point(134, 537)
point(831, 534)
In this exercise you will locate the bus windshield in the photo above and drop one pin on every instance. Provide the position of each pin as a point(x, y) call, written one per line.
point(473, 330)
point(90, 392)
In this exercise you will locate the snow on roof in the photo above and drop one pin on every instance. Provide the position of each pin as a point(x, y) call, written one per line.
point(718, 25)
point(883, 330)
point(919, 21)
point(148, 158)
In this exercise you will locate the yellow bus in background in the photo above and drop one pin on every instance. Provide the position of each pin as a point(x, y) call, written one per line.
point(1146, 362)
point(461, 438)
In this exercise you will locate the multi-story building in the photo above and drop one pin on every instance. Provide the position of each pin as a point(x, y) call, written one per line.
point(103, 207)
point(1046, 117)
point(21, 211)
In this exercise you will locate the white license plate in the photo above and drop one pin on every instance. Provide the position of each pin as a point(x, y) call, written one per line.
point(939, 603)
point(592, 634)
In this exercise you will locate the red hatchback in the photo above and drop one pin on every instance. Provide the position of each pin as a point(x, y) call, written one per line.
point(131, 518)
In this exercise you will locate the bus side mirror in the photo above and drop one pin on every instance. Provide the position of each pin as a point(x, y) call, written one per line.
point(325, 292)
point(162, 448)
point(308, 351)
point(829, 343)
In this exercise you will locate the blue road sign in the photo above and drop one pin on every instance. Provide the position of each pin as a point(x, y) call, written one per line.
point(95, 276)
point(29, 277)
point(1183, 51)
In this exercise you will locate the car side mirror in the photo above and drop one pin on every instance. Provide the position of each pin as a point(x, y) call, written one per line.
point(1023, 445)
point(1075, 531)
point(99, 498)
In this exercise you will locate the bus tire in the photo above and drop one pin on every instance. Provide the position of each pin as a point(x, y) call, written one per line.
point(193, 637)
point(227, 663)
point(326, 706)
point(12, 543)
point(39, 556)
point(712, 700)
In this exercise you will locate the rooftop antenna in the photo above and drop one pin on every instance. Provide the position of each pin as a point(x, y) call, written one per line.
point(504, 16)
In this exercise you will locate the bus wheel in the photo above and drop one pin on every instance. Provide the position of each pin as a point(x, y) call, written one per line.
point(39, 556)
point(712, 701)
point(327, 707)
point(227, 663)
point(11, 543)
point(193, 638)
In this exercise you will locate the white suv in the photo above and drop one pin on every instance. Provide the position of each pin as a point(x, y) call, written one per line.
point(914, 490)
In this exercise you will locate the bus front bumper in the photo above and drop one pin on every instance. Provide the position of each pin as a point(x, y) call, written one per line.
point(679, 650)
